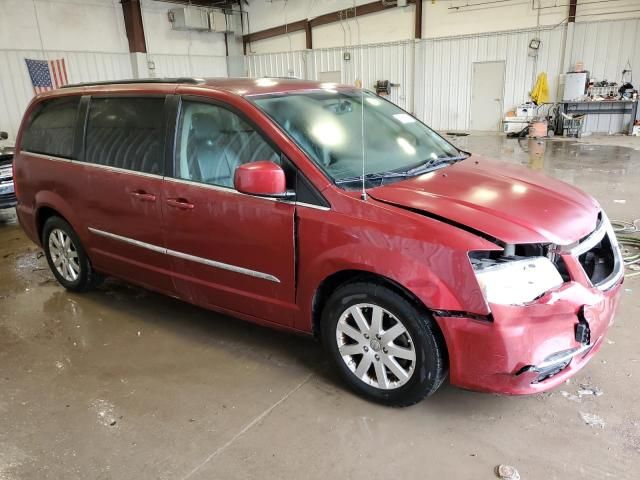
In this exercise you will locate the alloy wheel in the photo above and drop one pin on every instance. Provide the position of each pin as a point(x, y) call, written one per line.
point(64, 255)
point(376, 346)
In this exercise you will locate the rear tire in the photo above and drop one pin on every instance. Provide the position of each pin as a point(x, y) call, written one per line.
point(385, 348)
point(66, 256)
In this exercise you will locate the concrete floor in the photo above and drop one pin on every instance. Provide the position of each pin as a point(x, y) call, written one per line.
point(125, 384)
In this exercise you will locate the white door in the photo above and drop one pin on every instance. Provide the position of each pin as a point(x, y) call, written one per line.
point(487, 96)
point(333, 76)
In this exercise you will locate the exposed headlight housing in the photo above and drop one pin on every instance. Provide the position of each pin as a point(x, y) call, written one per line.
point(515, 281)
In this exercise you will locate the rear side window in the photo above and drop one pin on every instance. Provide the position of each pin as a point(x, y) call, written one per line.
point(51, 128)
point(126, 133)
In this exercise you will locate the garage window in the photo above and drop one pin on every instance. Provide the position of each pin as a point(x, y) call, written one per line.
point(126, 133)
point(213, 141)
point(51, 128)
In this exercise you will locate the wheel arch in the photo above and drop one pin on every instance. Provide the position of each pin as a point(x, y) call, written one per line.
point(343, 277)
point(43, 213)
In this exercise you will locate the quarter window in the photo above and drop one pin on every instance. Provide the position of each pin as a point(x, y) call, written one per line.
point(51, 128)
point(126, 133)
point(212, 142)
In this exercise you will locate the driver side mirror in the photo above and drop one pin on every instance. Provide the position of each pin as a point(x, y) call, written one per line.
point(4, 135)
point(263, 178)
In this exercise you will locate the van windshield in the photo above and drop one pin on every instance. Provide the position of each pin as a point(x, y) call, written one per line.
point(327, 125)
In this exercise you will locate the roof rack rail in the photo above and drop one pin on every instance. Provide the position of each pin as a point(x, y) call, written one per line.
point(280, 77)
point(190, 80)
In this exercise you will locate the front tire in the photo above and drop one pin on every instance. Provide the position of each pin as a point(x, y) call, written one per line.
point(385, 348)
point(66, 257)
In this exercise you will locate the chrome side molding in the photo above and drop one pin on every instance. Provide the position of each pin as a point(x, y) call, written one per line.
point(186, 256)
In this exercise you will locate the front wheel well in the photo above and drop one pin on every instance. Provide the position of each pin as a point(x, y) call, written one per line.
point(343, 277)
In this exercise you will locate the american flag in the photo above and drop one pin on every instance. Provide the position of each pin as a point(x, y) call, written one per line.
point(47, 74)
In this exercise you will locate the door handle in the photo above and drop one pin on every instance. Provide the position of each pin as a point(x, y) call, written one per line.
point(180, 203)
point(143, 196)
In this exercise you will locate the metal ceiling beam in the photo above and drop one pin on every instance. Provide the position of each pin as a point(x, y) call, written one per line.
point(573, 4)
point(133, 25)
point(308, 25)
point(309, 35)
point(418, 20)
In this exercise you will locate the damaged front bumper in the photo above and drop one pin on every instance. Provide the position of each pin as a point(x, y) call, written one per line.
point(530, 348)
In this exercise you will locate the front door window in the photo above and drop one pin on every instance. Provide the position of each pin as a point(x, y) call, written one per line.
point(212, 142)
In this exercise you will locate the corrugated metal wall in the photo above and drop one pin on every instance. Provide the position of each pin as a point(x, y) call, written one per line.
point(605, 47)
point(17, 91)
point(281, 64)
point(386, 61)
point(444, 69)
point(442, 76)
point(193, 65)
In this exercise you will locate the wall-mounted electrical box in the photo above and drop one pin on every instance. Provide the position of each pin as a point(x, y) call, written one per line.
point(189, 18)
point(219, 23)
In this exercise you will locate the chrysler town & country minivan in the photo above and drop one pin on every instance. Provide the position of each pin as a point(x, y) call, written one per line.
point(326, 210)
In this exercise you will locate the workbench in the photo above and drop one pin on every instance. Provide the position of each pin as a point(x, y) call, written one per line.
point(601, 107)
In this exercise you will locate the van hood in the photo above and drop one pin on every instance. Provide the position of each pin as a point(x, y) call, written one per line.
point(499, 199)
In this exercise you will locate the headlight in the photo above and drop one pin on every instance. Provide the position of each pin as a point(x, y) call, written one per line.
point(513, 282)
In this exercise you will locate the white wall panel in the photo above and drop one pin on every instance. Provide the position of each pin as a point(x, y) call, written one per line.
point(444, 69)
point(85, 25)
point(391, 25)
point(283, 64)
point(605, 47)
point(189, 66)
point(395, 24)
point(282, 43)
point(17, 91)
point(369, 63)
point(386, 61)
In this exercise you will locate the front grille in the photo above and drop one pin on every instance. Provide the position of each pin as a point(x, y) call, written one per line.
point(598, 263)
point(599, 255)
point(6, 174)
point(7, 197)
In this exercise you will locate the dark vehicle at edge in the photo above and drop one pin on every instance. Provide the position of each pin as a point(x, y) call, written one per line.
point(7, 192)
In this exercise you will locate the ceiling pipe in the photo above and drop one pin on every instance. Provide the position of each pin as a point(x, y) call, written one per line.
point(582, 4)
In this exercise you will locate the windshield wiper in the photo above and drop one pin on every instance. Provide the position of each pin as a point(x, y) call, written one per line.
point(434, 162)
point(373, 176)
point(422, 168)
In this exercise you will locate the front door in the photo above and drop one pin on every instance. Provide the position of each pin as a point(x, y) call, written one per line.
point(229, 250)
point(487, 96)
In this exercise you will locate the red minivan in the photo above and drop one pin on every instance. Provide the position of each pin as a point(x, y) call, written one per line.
point(326, 210)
